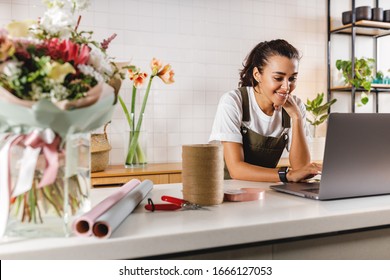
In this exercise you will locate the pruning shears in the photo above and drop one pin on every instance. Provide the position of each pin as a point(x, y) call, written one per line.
point(174, 204)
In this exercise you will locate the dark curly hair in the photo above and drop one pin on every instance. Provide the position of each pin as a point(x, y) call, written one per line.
point(259, 56)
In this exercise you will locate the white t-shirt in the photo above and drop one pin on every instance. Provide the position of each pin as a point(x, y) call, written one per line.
point(228, 119)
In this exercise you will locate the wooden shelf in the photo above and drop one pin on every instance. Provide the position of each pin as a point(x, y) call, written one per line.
point(159, 173)
point(379, 87)
point(365, 28)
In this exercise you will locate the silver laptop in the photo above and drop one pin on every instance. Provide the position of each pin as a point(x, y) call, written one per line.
point(356, 159)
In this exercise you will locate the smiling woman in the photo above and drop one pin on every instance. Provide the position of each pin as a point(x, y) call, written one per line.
point(257, 121)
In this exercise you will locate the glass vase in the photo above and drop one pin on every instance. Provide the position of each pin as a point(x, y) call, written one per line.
point(135, 148)
point(50, 210)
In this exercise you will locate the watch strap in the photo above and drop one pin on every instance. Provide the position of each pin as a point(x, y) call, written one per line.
point(283, 174)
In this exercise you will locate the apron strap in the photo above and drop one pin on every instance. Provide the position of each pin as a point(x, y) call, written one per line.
point(245, 104)
point(286, 123)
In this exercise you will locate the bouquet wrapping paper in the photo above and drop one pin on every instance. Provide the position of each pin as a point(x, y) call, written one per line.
point(38, 132)
point(57, 84)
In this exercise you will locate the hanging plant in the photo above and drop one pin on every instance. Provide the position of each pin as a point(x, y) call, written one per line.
point(363, 75)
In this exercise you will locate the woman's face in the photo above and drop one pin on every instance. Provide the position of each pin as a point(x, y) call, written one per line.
point(278, 80)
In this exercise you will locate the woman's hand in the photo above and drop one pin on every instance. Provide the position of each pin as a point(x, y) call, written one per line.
point(306, 172)
point(291, 107)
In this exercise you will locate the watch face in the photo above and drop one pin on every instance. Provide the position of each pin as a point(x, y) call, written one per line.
point(283, 170)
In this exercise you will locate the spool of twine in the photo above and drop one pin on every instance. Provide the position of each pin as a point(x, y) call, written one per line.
point(202, 173)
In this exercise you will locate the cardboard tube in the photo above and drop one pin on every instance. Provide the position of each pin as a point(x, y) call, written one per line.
point(202, 173)
point(82, 226)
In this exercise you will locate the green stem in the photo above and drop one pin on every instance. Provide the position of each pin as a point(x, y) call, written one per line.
point(32, 204)
point(133, 95)
point(37, 205)
point(141, 114)
point(134, 155)
point(130, 122)
point(47, 194)
point(134, 139)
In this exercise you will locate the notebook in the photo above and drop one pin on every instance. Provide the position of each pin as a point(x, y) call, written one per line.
point(356, 159)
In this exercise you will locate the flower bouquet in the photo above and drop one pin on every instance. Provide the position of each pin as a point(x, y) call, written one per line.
point(135, 155)
point(54, 89)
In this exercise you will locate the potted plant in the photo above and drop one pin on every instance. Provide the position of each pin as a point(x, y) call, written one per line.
point(318, 113)
point(380, 77)
point(363, 75)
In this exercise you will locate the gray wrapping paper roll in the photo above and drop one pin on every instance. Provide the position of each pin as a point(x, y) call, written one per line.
point(105, 225)
point(202, 173)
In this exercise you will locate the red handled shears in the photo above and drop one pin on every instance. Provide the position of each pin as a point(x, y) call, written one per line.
point(174, 204)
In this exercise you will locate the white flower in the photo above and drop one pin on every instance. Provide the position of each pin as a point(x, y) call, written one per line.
point(58, 93)
point(57, 20)
point(71, 5)
point(36, 93)
point(90, 71)
point(99, 61)
point(80, 5)
point(12, 68)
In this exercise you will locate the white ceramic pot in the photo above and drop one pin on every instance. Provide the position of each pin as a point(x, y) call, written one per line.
point(317, 148)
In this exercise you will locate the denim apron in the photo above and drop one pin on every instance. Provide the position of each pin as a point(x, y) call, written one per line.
point(260, 150)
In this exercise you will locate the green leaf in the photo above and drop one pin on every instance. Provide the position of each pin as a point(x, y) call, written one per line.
point(364, 98)
point(318, 110)
point(366, 85)
point(323, 118)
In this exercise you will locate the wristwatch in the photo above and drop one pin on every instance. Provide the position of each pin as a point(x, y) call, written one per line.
point(283, 174)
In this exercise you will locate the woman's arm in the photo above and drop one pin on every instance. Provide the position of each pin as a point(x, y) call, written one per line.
point(299, 151)
point(240, 170)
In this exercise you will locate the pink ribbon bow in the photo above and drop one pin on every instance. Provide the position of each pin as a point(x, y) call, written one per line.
point(50, 152)
point(47, 143)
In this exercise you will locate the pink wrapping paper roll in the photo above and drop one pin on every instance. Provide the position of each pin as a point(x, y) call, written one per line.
point(82, 226)
point(106, 224)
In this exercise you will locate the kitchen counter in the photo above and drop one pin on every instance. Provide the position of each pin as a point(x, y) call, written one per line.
point(275, 227)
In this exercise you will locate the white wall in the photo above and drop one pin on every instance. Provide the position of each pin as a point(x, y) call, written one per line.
point(206, 42)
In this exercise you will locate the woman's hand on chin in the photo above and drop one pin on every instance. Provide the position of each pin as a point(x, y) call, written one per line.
point(292, 107)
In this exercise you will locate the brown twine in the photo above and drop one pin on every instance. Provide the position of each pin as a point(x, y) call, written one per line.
point(202, 173)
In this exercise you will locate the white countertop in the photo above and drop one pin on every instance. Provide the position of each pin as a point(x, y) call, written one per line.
point(144, 233)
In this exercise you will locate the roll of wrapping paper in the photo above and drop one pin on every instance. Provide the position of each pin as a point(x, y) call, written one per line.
point(106, 224)
point(82, 226)
point(202, 173)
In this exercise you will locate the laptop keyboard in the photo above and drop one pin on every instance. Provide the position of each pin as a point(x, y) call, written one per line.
point(312, 189)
